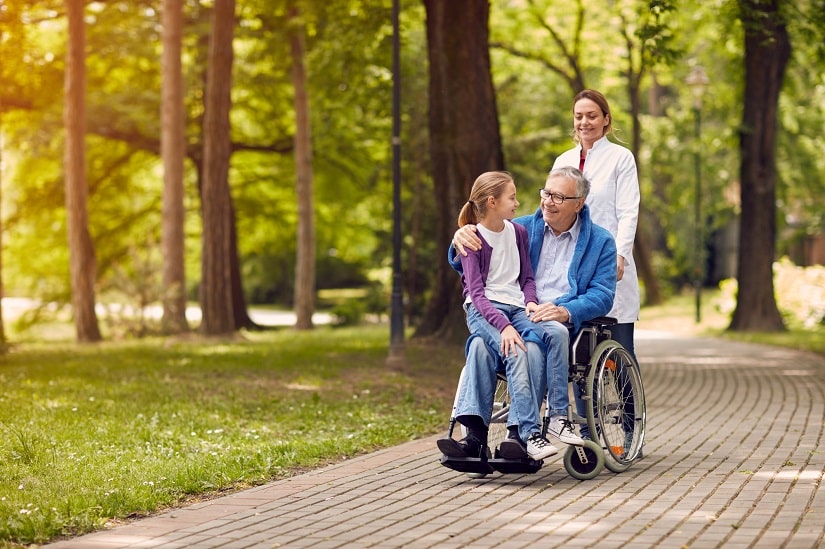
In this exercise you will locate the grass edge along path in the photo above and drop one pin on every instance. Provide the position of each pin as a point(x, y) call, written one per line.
point(677, 315)
point(92, 435)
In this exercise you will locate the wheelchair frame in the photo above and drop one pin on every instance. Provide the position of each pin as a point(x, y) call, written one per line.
point(612, 394)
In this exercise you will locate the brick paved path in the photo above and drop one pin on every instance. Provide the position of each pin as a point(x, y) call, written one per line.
point(734, 458)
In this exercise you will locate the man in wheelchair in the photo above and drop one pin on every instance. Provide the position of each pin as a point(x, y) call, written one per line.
point(574, 264)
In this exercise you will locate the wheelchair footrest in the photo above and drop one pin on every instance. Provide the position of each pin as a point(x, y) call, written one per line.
point(467, 464)
point(487, 466)
point(515, 466)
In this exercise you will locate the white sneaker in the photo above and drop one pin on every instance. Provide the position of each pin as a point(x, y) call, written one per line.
point(561, 428)
point(539, 447)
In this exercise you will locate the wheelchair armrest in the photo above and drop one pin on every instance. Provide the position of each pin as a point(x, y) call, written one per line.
point(600, 321)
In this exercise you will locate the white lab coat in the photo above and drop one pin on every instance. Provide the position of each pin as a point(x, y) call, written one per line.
point(614, 204)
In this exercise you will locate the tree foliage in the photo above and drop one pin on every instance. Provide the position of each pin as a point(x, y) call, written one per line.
point(349, 80)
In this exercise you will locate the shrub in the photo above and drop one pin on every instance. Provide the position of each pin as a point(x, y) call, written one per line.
point(800, 293)
point(348, 313)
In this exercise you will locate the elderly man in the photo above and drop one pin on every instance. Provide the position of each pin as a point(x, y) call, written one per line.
point(574, 264)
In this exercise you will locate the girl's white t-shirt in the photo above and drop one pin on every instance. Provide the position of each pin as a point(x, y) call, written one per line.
point(502, 281)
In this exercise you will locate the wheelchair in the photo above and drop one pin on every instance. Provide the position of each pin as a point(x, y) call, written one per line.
point(610, 384)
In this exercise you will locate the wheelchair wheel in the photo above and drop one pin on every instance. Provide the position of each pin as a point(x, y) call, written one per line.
point(584, 462)
point(501, 409)
point(616, 407)
point(498, 421)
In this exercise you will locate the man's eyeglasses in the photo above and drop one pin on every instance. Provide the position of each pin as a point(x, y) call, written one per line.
point(555, 198)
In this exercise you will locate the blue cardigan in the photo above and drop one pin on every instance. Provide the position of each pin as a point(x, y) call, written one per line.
point(592, 274)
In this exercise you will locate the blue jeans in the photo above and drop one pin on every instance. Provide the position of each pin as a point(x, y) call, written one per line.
point(522, 370)
point(557, 367)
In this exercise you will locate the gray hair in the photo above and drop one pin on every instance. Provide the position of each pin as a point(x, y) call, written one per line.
point(569, 172)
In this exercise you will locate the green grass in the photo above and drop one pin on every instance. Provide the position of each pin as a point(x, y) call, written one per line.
point(91, 434)
point(801, 340)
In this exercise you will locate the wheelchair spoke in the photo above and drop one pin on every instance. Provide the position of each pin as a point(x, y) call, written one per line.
point(617, 404)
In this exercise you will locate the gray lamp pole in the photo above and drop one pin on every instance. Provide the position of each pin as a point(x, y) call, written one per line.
point(698, 81)
point(396, 300)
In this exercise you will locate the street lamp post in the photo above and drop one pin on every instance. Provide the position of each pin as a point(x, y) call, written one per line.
point(396, 299)
point(698, 81)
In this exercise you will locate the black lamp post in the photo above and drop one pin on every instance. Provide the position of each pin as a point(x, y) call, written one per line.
point(698, 81)
point(396, 300)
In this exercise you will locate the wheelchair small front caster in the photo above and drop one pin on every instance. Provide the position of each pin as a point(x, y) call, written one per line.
point(584, 462)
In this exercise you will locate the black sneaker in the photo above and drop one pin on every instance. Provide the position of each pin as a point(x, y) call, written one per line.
point(512, 448)
point(468, 446)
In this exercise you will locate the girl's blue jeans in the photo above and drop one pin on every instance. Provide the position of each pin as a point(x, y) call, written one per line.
point(524, 371)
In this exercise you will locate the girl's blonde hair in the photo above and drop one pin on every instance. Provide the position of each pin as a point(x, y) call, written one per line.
point(486, 185)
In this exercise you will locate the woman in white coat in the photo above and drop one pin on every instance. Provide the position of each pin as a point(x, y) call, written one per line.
point(613, 199)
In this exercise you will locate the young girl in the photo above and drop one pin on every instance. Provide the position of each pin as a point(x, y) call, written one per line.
point(500, 292)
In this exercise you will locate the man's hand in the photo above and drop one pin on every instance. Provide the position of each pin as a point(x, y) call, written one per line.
point(619, 267)
point(466, 237)
point(511, 341)
point(549, 311)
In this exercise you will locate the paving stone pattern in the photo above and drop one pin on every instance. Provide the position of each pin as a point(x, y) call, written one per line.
point(734, 458)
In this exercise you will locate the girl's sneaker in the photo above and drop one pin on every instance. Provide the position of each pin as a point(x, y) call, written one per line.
point(539, 447)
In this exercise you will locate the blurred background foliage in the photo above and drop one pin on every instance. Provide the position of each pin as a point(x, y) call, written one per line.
point(350, 85)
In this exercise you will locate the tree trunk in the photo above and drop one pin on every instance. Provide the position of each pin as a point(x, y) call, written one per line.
point(464, 138)
point(3, 346)
point(767, 50)
point(641, 247)
point(660, 182)
point(305, 260)
point(82, 261)
point(173, 152)
point(216, 269)
point(239, 310)
point(415, 232)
